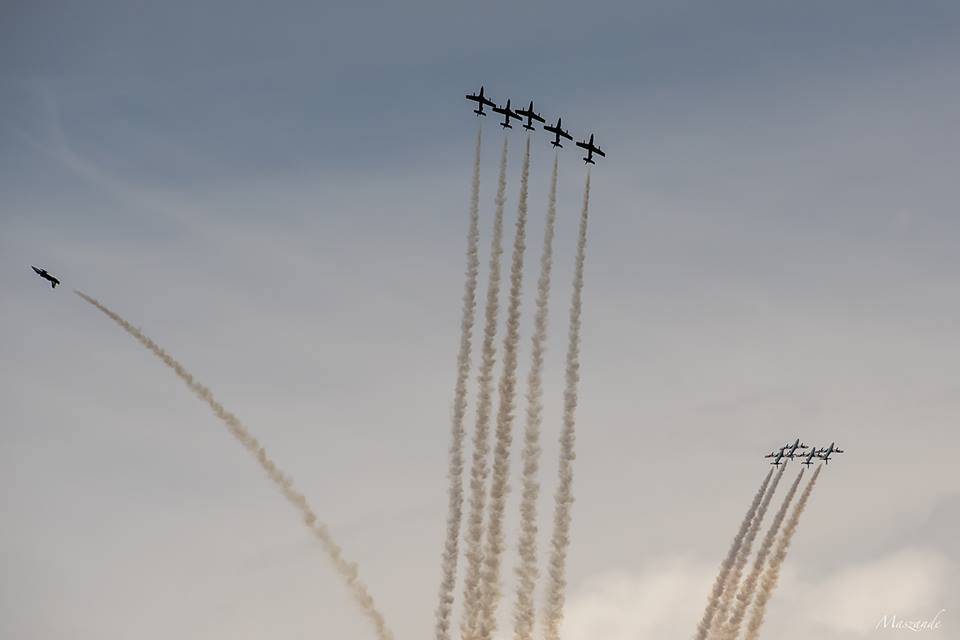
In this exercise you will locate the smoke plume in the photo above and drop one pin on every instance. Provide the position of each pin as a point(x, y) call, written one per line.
point(490, 587)
point(451, 550)
point(346, 569)
point(745, 595)
point(733, 578)
point(721, 580)
point(772, 574)
point(526, 571)
point(481, 437)
point(560, 540)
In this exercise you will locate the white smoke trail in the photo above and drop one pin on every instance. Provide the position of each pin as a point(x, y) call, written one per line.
point(560, 540)
point(721, 580)
point(743, 555)
point(772, 574)
point(745, 595)
point(481, 436)
point(526, 570)
point(490, 587)
point(455, 471)
point(346, 569)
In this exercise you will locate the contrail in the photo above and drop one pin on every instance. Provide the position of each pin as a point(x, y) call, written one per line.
point(526, 571)
point(346, 569)
point(745, 595)
point(481, 437)
point(490, 587)
point(725, 567)
point(560, 540)
point(743, 555)
point(772, 574)
point(455, 471)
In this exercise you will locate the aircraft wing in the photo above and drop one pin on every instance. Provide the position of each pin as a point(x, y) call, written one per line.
point(597, 151)
point(583, 145)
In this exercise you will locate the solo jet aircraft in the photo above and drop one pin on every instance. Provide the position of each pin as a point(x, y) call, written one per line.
point(558, 133)
point(481, 102)
point(778, 456)
point(46, 276)
point(530, 115)
point(591, 149)
point(809, 456)
point(507, 113)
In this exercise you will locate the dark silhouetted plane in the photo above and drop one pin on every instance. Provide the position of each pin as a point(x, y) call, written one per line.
point(788, 451)
point(530, 115)
point(778, 456)
point(481, 102)
point(810, 455)
point(507, 113)
point(591, 149)
point(46, 276)
point(791, 449)
point(558, 133)
point(825, 453)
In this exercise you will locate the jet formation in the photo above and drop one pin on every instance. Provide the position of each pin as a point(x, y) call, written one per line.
point(792, 451)
point(46, 276)
point(530, 115)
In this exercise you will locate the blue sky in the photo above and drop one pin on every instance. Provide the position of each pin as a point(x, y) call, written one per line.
point(277, 194)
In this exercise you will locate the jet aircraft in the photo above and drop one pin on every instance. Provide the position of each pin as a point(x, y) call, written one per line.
point(507, 113)
point(46, 276)
point(530, 115)
point(825, 453)
point(481, 102)
point(810, 455)
point(591, 149)
point(778, 456)
point(558, 133)
point(792, 448)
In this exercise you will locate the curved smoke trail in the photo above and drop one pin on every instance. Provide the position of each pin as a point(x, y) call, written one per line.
point(721, 580)
point(526, 571)
point(455, 470)
point(490, 587)
point(481, 437)
point(745, 595)
point(560, 540)
point(772, 574)
point(346, 569)
point(743, 555)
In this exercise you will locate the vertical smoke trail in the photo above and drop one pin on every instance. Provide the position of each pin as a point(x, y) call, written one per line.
point(560, 540)
point(526, 571)
point(455, 470)
point(490, 588)
point(346, 569)
point(745, 595)
point(481, 437)
point(772, 574)
point(721, 580)
point(733, 578)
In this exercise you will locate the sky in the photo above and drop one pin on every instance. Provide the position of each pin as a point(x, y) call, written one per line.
point(277, 194)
